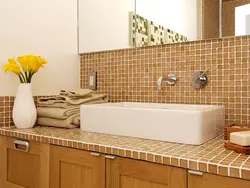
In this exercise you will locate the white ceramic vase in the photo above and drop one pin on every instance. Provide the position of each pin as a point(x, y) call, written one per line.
point(24, 112)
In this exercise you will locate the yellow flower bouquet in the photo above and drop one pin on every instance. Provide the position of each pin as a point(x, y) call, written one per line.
point(25, 66)
point(24, 112)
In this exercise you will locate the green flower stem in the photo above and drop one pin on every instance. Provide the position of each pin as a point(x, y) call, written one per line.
point(26, 77)
point(22, 78)
point(30, 76)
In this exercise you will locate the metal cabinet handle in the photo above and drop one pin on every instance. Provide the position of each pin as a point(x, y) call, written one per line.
point(21, 143)
point(110, 157)
point(197, 173)
point(95, 154)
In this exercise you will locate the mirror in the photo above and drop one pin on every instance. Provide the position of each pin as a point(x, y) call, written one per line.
point(167, 21)
point(114, 24)
point(172, 21)
point(104, 24)
point(242, 20)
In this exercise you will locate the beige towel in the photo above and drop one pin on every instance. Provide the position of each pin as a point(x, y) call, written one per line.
point(71, 122)
point(71, 101)
point(66, 105)
point(77, 93)
point(57, 113)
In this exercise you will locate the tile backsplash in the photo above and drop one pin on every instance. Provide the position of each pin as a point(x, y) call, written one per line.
point(6, 105)
point(131, 74)
point(6, 108)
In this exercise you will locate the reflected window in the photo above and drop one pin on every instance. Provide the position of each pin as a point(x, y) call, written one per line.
point(242, 20)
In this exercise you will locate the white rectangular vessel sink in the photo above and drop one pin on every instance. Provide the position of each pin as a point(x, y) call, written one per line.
point(187, 124)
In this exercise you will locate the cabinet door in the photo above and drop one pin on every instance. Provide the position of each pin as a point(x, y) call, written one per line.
point(127, 173)
point(72, 168)
point(204, 180)
point(23, 164)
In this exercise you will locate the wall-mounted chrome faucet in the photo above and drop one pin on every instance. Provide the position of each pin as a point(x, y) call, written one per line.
point(199, 79)
point(171, 79)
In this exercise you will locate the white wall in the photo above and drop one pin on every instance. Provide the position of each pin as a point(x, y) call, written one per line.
point(42, 27)
point(104, 24)
point(177, 15)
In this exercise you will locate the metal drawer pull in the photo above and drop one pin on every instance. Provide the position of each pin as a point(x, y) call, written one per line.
point(110, 157)
point(95, 154)
point(22, 143)
point(197, 173)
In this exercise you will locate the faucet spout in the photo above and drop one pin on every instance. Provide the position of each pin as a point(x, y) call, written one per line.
point(159, 83)
point(171, 79)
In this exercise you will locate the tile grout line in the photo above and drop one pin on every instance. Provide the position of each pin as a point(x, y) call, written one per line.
point(240, 168)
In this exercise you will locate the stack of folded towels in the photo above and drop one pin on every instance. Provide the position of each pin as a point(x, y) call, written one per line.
point(64, 110)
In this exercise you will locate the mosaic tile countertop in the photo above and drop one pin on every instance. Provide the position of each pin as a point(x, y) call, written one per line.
point(210, 157)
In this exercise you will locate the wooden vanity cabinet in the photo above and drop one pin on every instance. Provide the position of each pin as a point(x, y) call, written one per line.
point(205, 180)
point(72, 168)
point(23, 164)
point(128, 173)
point(29, 164)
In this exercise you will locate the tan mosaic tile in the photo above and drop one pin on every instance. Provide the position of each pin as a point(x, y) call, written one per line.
point(246, 174)
point(130, 75)
point(210, 157)
point(6, 104)
point(6, 107)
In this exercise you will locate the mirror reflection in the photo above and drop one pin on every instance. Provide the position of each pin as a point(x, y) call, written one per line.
point(104, 25)
point(242, 20)
point(120, 24)
point(170, 21)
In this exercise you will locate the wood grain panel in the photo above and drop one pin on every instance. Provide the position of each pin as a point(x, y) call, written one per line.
point(215, 181)
point(127, 173)
point(71, 168)
point(24, 169)
point(141, 183)
point(79, 176)
point(130, 182)
point(126, 181)
point(2, 148)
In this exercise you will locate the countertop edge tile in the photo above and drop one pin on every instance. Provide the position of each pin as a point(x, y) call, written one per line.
point(142, 149)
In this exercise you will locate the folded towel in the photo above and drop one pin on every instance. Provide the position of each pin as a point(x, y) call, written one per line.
point(71, 101)
point(71, 122)
point(77, 93)
point(57, 113)
point(66, 105)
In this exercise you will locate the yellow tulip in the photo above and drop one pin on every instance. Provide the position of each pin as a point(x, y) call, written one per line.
point(23, 62)
point(35, 67)
point(12, 61)
point(37, 64)
point(12, 67)
point(42, 61)
point(28, 65)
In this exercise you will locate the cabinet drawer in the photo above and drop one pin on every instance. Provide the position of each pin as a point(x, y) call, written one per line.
point(25, 164)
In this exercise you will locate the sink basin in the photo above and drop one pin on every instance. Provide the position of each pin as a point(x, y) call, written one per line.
point(187, 124)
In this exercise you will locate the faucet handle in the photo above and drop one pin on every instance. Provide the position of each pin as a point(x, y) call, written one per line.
point(172, 79)
point(199, 79)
